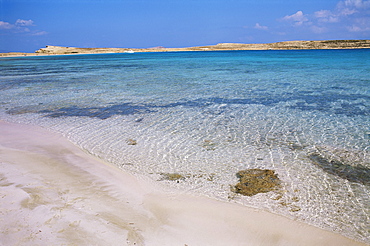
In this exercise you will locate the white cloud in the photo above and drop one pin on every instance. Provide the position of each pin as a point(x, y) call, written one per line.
point(20, 22)
point(354, 28)
point(356, 3)
point(40, 33)
point(355, 15)
point(347, 16)
point(360, 24)
point(322, 13)
point(358, 28)
point(20, 26)
point(6, 25)
point(326, 16)
point(350, 7)
point(297, 19)
point(259, 27)
point(318, 29)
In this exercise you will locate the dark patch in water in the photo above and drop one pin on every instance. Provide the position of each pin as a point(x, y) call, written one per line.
point(233, 70)
point(352, 109)
point(324, 102)
point(204, 102)
point(97, 112)
point(357, 174)
point(337, 88)
point(20, 110)
point(305, 102)
point(294, 146)
point(348, 106)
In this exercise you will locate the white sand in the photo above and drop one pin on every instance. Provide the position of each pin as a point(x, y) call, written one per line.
point(53, 193)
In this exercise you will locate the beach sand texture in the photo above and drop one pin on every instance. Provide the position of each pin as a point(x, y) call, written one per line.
point(53, 193)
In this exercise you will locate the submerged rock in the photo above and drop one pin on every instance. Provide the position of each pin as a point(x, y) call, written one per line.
point(254, 181)
point(357, 174)
point(209, 145)
point(131, 141)
point(172, 176)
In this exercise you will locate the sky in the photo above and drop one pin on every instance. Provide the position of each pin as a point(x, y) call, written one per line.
point(27, 25)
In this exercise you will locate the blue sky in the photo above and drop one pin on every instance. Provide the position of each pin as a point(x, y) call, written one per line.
point(27, 25)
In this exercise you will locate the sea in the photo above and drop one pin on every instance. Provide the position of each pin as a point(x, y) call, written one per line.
point(190, 121)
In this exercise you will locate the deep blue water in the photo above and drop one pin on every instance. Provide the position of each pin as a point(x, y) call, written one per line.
point(207, 115)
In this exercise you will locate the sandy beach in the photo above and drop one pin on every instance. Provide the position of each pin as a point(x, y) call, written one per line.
point(53, 193)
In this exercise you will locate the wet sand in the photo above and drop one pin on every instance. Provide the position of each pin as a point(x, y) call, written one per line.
point(53, 193)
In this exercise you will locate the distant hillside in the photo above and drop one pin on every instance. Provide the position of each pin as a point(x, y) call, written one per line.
point(288, 45)
point(296, 45)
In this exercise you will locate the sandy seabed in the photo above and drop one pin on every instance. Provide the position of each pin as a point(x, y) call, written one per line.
point(53, 193)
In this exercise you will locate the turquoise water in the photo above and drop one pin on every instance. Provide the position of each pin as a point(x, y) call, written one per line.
point(207, 115)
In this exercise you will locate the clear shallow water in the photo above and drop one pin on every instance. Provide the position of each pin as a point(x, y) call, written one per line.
point(207, 115)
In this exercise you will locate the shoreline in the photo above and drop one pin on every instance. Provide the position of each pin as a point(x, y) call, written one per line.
point(52, 192)
point(287, 45)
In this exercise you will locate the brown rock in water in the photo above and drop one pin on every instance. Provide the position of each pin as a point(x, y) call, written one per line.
point(254, 181)
point(131, 141)
point(172, 176)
